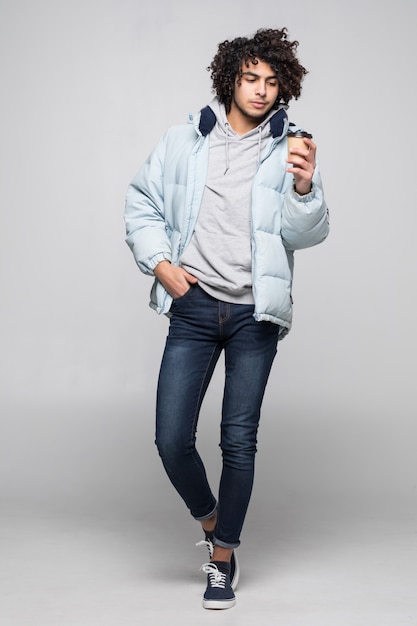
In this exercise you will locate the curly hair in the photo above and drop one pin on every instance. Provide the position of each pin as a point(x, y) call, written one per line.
point(268, 45)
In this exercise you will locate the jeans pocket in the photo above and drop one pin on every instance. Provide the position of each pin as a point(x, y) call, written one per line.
point(184, 295)
point(176, 302)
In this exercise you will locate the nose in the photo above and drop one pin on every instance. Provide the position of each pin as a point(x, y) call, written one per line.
point(261, 88)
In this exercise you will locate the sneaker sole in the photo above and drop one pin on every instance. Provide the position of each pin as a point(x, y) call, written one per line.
point(219, 604)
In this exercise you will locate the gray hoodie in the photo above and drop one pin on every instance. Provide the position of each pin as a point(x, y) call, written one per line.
point(219, 253)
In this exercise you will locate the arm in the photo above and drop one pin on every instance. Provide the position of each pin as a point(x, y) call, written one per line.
point(144, 214)
point(146, 232)
point(305, 215)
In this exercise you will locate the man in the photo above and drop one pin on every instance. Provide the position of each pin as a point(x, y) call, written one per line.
point(215, 215)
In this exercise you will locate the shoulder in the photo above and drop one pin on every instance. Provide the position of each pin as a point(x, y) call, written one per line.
point(182, 133)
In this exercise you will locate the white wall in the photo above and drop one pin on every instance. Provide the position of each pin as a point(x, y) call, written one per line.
point(87, 89)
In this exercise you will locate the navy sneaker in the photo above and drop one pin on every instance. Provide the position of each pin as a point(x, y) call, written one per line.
point(234, 571)
point(219, 593)
point(234, 563)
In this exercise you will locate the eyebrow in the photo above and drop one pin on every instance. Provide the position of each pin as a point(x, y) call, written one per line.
point(257, 75)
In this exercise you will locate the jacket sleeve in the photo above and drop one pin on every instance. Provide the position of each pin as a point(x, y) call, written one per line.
point(144, 214)
point(305, 219)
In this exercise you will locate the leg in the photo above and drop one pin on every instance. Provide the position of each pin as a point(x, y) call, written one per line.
point(249, 353)
point(187, 366)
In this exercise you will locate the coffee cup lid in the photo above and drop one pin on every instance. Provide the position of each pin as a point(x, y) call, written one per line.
point(299, 133)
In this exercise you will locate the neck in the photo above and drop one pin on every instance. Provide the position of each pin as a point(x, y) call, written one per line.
point(241, 124)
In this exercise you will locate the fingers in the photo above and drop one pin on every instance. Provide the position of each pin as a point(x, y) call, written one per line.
point(189, 277)
point(303, 163)
point(304, 159)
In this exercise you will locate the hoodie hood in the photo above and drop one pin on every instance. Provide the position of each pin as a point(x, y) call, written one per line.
point(277, 119)
point(275, 124)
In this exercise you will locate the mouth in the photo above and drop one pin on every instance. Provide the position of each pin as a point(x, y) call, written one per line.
point(258, 105)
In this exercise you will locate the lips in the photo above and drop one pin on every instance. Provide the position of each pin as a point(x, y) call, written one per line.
point(258, 105)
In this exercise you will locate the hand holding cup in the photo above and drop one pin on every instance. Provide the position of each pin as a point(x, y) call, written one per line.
point(302, 161)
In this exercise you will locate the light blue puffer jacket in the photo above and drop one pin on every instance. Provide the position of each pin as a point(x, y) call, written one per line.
point(163, 201)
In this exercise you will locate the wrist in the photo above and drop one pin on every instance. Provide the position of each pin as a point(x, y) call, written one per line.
point(302, 190)
point(161, 267)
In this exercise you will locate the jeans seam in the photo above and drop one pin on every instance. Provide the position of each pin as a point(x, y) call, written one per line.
point(226, 318)
point(198, 405)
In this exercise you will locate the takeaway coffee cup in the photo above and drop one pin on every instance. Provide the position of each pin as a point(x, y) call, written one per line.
point(296, 139)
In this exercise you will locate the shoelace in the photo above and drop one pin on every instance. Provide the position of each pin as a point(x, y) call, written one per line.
point(216, 577)
point(209, 545)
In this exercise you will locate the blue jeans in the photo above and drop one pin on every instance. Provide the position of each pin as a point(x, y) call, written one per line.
point(200, 328)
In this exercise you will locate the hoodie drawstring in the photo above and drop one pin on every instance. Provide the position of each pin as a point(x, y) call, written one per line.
point(259, 143)
point(227, 148)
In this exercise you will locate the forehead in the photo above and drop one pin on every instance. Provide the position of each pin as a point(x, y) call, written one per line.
point(260, 68)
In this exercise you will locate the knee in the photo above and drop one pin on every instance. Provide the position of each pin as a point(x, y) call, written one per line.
point(239, 456)
point(165, 447)
point(171, 449)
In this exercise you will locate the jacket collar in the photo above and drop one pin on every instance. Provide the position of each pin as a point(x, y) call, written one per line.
point(208, 120)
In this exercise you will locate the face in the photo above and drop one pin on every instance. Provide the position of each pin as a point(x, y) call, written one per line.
point(254, 94)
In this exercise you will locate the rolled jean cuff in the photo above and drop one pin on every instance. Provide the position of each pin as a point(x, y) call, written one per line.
point(213, 512)
point(224, 544)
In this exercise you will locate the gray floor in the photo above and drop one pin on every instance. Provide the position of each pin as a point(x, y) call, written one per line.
point(338, 565)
